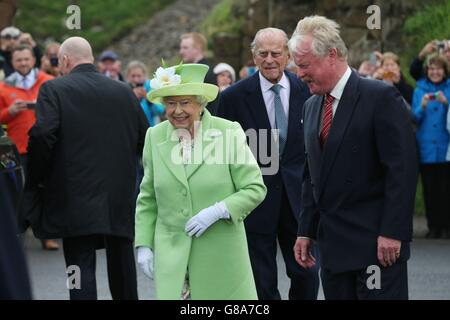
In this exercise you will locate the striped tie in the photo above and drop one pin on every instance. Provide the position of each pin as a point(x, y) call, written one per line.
point(327, 118)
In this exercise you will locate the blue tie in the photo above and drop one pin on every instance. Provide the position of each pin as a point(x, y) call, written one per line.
point(280, 118)
point(25, 83)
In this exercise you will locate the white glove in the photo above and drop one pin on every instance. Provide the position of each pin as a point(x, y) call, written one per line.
point(145, 260)
point(206, 217)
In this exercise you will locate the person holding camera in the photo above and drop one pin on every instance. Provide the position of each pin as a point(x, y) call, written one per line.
point(136, 76)
point(10, 38)
point(390, 73)
point(430, 107)
point(434, 46)
point(49, 61)
point(18, 94)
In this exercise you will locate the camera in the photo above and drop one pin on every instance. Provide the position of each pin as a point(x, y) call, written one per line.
point(54, 61)
point(31, 105)
point(388, 74)
point(433, 96)
point(441, 44)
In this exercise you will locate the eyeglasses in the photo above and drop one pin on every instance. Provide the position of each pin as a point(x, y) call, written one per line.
point(265, 54)
point(172, 104)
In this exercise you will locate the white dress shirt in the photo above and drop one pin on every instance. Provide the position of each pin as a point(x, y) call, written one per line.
point(337, 94)
point(30, 80)
point(339, 88)
point(269, 96)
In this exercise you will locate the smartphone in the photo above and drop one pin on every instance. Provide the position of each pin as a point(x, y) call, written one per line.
point(31, 105)
point(433, 96)
point(373, 59)
point(388, 74)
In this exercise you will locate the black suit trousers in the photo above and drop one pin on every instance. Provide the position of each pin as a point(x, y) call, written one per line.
point(353, 285)
point(263, 252)
point(81, 252)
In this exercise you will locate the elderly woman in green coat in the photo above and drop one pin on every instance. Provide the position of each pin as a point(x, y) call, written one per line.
point(200, 182)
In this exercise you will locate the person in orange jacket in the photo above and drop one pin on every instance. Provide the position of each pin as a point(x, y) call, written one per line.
point(18, 94)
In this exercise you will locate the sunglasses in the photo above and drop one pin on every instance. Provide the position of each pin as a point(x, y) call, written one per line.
point(8, 37)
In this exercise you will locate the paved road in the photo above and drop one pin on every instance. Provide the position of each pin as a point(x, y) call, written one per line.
point(429, 272)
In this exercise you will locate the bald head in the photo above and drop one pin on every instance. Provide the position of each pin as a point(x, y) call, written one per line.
point(269, 34)
point(75, 51)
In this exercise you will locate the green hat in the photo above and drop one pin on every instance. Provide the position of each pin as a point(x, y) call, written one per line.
point(181, 80)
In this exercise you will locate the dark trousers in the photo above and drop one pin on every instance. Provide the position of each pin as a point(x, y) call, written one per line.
point(263, 253)
point(353, 285)
point(81, 252)
point(14, 281)
point(436, 189)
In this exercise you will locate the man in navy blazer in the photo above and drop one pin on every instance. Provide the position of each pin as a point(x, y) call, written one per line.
point(259, 109)
point(360, 174)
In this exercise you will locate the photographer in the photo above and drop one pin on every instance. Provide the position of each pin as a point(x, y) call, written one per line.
point(434, 46)
point(136, 76)
point(390, 72)
point(18, 95)
point(49, 61)
point(11, 37)
point(430, 107)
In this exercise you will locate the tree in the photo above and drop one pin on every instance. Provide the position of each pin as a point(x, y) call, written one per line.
point(8, 10)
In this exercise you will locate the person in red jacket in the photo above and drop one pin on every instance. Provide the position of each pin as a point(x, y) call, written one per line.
point(18, 94)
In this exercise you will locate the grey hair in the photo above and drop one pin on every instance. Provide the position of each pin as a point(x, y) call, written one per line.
point(202, 101)
point(264, 32)
point(136, 64)
point(325, 34)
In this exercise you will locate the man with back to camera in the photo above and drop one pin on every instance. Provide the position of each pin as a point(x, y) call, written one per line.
point(82, 159)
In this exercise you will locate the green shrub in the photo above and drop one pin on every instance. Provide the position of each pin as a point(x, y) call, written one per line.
point(430, 22)
point(224, 18)
point(102, 22)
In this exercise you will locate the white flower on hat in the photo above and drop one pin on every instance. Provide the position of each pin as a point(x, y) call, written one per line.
point(165, 77)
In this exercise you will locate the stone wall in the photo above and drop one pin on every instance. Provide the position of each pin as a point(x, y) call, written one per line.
point(350, 14)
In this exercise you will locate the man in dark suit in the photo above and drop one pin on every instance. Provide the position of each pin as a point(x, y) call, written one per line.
point(360, 174)
point(14, 279)
point(272, 99)
point(82, 158)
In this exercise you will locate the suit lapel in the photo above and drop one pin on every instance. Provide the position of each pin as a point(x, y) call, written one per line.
point(171, 156)
point(316, 111)
point(294, 111)
point(339, 126)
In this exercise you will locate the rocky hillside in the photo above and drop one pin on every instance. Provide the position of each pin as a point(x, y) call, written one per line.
point(159, 37)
